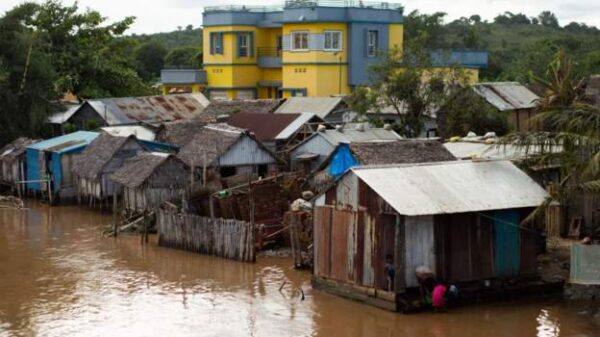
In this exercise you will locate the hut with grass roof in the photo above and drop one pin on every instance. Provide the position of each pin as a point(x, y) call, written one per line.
point(104, 156)
point(151, 178)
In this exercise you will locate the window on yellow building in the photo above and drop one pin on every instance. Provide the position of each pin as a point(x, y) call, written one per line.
point(333, 41)
point(243, 45)
point(299, 41)
point(216, 43)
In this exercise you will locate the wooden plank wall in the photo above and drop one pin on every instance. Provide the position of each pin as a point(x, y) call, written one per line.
point(232, 239)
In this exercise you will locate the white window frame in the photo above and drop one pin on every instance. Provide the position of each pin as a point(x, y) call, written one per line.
point(372, 45)
point(245, 37)
point(293, 42)
point(332, 33)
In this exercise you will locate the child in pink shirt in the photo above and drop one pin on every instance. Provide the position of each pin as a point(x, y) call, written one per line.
point(438, 297)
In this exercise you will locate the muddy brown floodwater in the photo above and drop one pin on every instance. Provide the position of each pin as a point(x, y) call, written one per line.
point(59, 277)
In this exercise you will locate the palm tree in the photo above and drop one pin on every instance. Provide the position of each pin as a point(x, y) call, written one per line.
point(570, 137)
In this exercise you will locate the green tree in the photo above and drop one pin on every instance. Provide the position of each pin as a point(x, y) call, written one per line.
point(571, 135)
point(410, 86)
point(150, 59)
point(188, 56)
point(47, 50)
point(467, 112)
point(548, 19)
point(424, 27)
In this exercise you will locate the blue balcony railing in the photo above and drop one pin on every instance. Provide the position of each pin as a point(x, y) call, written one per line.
point(269, 57)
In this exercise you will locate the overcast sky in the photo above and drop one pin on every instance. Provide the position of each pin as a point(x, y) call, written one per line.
point(165, 15)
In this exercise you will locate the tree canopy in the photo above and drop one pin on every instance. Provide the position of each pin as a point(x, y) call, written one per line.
point(48, 50)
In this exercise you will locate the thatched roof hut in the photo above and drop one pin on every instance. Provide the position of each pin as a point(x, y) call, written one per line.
point(91, 162)
point(103, 156)
point(407, 151)
point(11, 151)
point(222, 107)
point(12, 160)
point(149, 179)
point(179, 132)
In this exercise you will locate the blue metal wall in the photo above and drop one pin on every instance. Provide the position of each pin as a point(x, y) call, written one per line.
point(507, 247)
point(33, 169)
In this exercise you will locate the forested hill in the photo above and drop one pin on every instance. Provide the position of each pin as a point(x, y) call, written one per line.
point(517, 44)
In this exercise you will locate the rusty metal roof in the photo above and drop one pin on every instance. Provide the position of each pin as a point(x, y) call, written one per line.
point(506, 96)
point(152, 110)
point(269, 126)
point(452, 187)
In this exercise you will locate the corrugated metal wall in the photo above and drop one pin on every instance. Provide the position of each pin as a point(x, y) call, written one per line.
point(246, 151)
point(419, 247)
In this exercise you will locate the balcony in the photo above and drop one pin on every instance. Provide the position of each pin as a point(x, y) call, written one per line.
point(183, 76)
point(269, 57)
point(242, 9)
point(342, 3)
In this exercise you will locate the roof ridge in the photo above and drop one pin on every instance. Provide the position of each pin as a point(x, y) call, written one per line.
point(437, 163)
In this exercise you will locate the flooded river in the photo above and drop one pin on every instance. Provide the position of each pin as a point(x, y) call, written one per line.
point(59, 277)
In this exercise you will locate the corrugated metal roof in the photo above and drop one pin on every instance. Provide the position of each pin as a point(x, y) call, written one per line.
point(61, 117)
point(150, 109)
point(66, 142)
point(507, 95)
point(480, 150)
point(453, 187)
point(293, 127)
point(350, 135)
point(320, 106)
point(139, 131)
point(263, 126)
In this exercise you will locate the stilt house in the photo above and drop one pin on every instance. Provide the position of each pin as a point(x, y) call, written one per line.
point(461, 219)
point(149, 179)
point(53, 159)
point(12, 162)
point(99, 160)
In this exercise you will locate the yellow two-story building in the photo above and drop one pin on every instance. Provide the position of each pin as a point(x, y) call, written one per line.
point(305, 48)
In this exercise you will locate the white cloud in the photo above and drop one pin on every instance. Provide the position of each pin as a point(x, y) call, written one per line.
point(161, 16)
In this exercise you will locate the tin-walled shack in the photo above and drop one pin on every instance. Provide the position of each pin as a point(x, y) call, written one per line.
point(54, 158)
point(99, 160)
point(226, 151)
point(149, 179)
point(461, 219)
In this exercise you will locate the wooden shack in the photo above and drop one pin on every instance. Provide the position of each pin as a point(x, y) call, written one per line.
point(461, 219)
point(98, 161)
point(220, 150)
point(12, 162)
point(149, 179)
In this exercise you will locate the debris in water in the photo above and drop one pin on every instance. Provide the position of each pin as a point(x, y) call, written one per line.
point(11, 202)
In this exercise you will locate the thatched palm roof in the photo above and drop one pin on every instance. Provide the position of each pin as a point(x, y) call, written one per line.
point(179, 132)
point(209, 144)
point(222, 107)
point(98, 153)
point(11, 151)
point(138, 169)
point(406, 151)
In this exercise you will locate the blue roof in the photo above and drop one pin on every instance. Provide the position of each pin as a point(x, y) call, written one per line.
point(65, 143)
point(466, 58)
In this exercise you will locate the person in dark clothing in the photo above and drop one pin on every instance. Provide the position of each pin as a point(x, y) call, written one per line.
point(390, 272)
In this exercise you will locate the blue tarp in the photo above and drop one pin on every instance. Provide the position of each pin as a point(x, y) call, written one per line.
point(341, 161)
